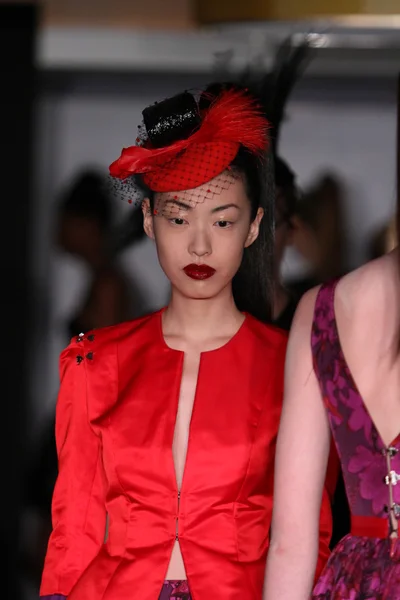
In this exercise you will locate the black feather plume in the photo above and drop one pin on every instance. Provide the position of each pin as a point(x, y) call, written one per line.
point(275, 87)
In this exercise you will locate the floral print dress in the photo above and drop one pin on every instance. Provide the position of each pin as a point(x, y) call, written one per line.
point(365, 565)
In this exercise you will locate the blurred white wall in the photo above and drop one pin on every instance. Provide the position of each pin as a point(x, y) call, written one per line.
point(350, 132)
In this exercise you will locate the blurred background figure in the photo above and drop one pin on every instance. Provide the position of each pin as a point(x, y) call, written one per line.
point(319, 234)
point(86, 219)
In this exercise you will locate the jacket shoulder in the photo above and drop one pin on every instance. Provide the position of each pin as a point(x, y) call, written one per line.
point(96, 356)
point(114, 333)
point(271, 339)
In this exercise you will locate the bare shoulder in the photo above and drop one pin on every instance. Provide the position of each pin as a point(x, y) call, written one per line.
point(304, 315)
point(360, 291)
point(370, 286)
point(298, 356)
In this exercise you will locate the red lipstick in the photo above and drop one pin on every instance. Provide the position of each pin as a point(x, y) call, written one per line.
point(199, 271)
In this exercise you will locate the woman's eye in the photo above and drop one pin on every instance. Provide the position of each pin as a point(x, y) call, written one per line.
point(177, 221)
point(223, 224)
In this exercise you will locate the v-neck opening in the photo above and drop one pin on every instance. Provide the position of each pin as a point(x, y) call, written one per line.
point(180, 485)
point(349, 374)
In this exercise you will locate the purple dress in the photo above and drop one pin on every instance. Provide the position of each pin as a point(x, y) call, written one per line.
point(365, 565)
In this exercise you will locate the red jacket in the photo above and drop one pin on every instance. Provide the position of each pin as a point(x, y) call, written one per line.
point(115, 424)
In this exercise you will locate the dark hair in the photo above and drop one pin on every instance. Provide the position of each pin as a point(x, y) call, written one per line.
point(87, 197)
point(253, 283)
point(285, 179)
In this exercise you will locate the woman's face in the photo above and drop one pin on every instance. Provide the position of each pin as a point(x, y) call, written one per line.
point(200, 240)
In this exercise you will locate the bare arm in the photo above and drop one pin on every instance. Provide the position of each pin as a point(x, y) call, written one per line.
point(300, 467)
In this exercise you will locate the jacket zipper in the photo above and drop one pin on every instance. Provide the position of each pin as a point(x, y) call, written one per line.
point(177, 517)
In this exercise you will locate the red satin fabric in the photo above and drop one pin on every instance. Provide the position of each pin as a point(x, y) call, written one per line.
point(115, 423)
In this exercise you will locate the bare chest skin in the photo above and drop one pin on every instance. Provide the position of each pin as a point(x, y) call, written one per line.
point(176, 569)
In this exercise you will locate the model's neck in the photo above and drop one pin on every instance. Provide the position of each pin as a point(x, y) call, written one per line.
point(201, 320)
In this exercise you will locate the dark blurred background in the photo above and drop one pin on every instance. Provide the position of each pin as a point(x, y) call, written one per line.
point(75, 76)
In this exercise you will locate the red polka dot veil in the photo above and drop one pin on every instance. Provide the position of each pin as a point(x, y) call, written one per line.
point(184, 144)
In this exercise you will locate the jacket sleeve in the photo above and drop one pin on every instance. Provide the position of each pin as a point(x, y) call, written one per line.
point(325, 523)
point(78, 506)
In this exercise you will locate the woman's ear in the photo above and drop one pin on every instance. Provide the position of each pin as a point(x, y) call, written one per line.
point(147, 218)
point(254, 228)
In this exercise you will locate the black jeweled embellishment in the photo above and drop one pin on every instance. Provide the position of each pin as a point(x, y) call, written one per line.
point(91, 337)
point(79, 359)
point(173, 119)
point(89, 355)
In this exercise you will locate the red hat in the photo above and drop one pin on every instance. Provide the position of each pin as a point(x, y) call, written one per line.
point(186, 147)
